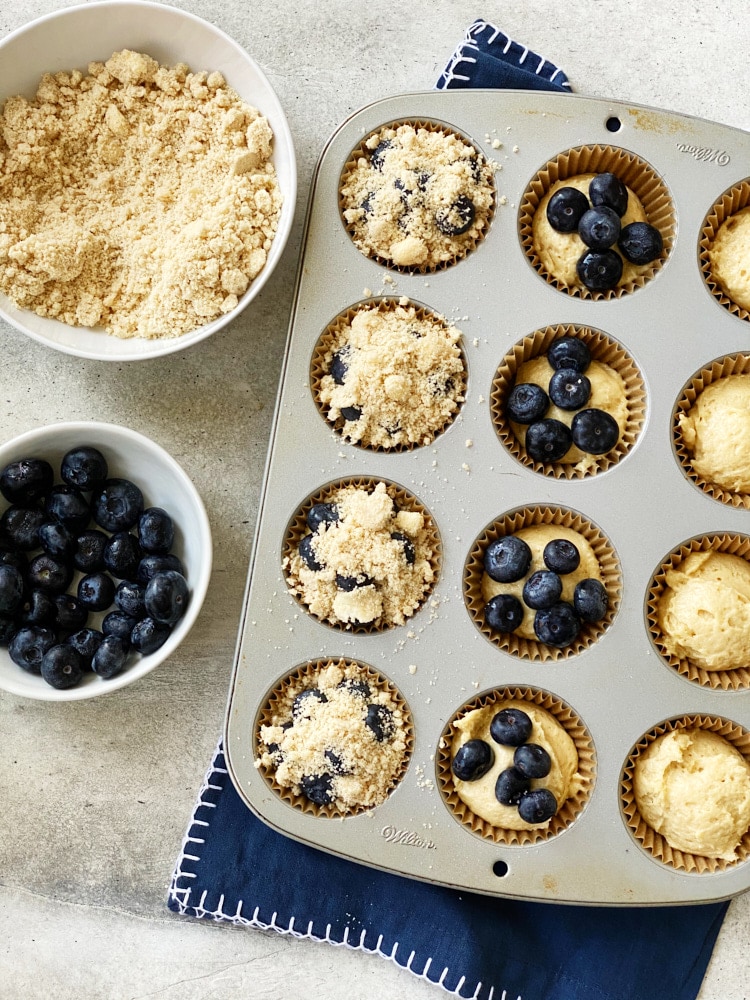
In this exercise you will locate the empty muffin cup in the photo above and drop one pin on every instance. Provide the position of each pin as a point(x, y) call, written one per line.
point(724, 246)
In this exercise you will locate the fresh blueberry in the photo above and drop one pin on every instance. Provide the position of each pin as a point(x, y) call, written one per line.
point(557, 626)
point(338, 367)
point(62, 667)
point(532, 760)
point(85, 468)
point(590, 600)
point(510, 727)
point(111, 656)
point(21, 526)
point(27, 481)
point(561, 556)
point(537, 806)
point(122, 555)
point(117, 505)
point(599, 271)
point(89, 553)
point(67, 504)
point(9, 557)
point(359, 689)
point(565, 208)
point(510, 786)
point(407, 546)
point(351, 413)
point(542, 589)
point(119, 624)
point(473, 759)
point(149, 635)
point(569, 389)
point(152, 564)
point(503, 613)
point(640, 243)
point(609, 191)
point(338, 766)
point(548, 440)
point(456, 218)
point(57, 540)
point(85, 642)
point(377, 156)
point(70, 614)
point(8, 628)
point(526, 403)
point(11, 589)
point(37, 608)
point(318, 788)
point(304, 699)
point(96, 592)
point(594, 431)
point(599, 228)
point(167, 597)
point(507, 559)
point(49, 574)
point(569, 352)
point(380, 720)
point(28, 646)
point(350, 583)
point(307, 553)
point(322, 513)
point(156, 530)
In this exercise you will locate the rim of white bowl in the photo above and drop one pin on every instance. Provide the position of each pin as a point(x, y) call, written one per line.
point(162, 346)
point(198, 582)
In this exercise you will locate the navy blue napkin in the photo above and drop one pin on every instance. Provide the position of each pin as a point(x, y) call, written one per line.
point(234, 868)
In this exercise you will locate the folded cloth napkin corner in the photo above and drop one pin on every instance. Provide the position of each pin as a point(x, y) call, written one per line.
point(233, 868)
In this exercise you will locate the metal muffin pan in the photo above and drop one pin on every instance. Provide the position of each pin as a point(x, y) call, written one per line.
point(619, 687)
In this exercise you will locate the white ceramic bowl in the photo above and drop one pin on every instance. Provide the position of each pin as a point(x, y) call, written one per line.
point(70, 39)
point(164, 484)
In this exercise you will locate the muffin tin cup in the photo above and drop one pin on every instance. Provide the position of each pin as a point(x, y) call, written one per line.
point(732, 201)
point(509, 524)
point(568, 811)
point(464, 246)
point(635, 173)
point(654, 843)
point(279, 702)
point(326, 346)
point(726, 680)
point(406, 501)
point(605, 350)
point(734, 364)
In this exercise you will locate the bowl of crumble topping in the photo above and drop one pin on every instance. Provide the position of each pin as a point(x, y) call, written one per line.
point(147, 180)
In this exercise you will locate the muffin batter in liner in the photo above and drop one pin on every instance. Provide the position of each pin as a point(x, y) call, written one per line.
point(731, 364)
point(734, 679)
point(405, 501)
point(509, 524)
point(278, 703)
point(603, 349)
point(732, 201)
point(327, 344)
point(568, 810)
point(636, 174)
point(653, 843)
point(460, 245)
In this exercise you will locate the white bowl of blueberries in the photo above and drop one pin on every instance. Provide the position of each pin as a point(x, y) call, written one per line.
point(105, 559)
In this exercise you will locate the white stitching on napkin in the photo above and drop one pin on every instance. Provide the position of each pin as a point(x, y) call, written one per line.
point(180, 895)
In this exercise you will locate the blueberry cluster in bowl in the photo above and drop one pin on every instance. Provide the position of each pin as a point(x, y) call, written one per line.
point(597, 219)
point(511, 727)
point(80, 548)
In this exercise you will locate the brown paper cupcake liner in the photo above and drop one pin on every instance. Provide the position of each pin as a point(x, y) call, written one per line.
point(274, 705)
point(321, 359)
point(604, 350)
point(652, 842)
point(731, 364)
point(464, 244)
point(509, 524)
point(405, 501)
point(732, 201)
point(635, 173)
point(569, 810)
point(726, 680)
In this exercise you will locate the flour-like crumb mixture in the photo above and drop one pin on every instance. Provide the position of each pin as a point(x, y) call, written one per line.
point(137, 197)
point(395, 376)
point(335, 737)
point(417, 197)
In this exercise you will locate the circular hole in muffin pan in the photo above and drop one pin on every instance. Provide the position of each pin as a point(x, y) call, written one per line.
point(733, 205)
point(276, 710)
point(427, 552)
point(734, 678)
point(638, 175)
point(581, 785)
point(445, 380)
point(353, 195)
point(734, 438)
point(527, 517)
point(652, 842)
point(605, 351)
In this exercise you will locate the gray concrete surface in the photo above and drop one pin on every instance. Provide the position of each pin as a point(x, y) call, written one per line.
point(95, 796)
